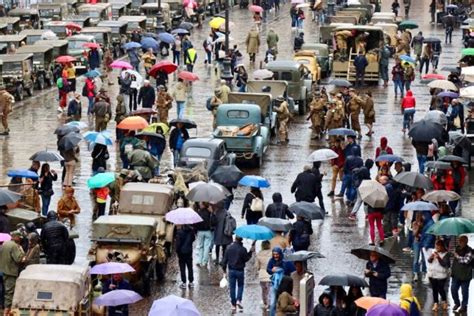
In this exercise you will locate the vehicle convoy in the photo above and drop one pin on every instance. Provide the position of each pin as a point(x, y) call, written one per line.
point(278, 88)
point(118, 33)
point(308, 59)
point(53, 289)
point(28, 17)
point(76, 49)
point(130, 239)
point(42, 73)
point(16, 73)
point(322, 55)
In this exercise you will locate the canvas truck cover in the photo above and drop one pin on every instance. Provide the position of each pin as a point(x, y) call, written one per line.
point(145, 199)
point(278, 87)
point(263, 100)
point(124, 228)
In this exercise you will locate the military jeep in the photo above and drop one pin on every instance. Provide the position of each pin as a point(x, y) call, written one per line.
point(17, 78)
point(42, 64)
point(130, 239)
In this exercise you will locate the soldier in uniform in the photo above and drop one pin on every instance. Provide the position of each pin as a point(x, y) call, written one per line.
point(215, 102)
point(316, 114)
point(369, 113)
point(163, 104)
point(341, 108)
point(355, 105)
point(283, 116)
point(6, 103)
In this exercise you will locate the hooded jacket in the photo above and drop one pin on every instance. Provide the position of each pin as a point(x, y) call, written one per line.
point(287, 266)
point(278, 209)
point(322, 310)
point(408, 102)
point(406, 297)
point(383, 149)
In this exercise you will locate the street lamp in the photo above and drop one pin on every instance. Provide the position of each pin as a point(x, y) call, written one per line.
point(227, 64)
point(159, 19)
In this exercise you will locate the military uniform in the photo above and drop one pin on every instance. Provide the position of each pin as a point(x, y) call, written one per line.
point(163, 105)
point(317, 114)
point(215, 102)
point(334, 116)
point(369, 114)
point(11, 256)
point(102, 112)
point(355, 105)
point(283, 116)
point(142, 161)
point(6, 102)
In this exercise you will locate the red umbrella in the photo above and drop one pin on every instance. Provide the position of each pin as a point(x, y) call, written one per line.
point(188, 76)
point(256, 8)
point(434, 77)
point(73, 26)
point(65, 59)
point(91, 45)
point(164, 65)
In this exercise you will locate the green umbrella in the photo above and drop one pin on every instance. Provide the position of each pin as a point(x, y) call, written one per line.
point(101, 180)
point(453, 226)
point(408, 25)
point(468, 52)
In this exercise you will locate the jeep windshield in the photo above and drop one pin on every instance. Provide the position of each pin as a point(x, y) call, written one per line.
point(200, 152)
point(48, 13)
point(76, 44)
point(12, 67)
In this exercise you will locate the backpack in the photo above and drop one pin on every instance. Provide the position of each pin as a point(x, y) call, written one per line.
point(229, 224)
point(256, 205)
point(59, 83)
point(413, 310)
point(208, 104)
point(301, 239)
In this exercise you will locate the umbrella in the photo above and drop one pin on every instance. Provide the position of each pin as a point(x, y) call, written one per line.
point(364, 253)
point(407, 59)
point(5, 237)
point(453, 226)
point(173, 305)
point(254, 232)
point(254, 181)
point(408, 24)
point(302, 5)
point(425, 131)
point(92, 73)
point(343, 280)
point(459, 139)
point(22, 173)
point(101, 180)
point(303, 255)
point(307, 210)
point(192, 185)
point(414, 179)
point(8, 197)
point(389, 158)
point(262, 74)
point(149, 42)
point(443, 84)
point(367, 302)
point(436, 116)
point(164, 65)
point(441, 196)
point(215, 23)
point(432, 40)
point(228, 176)
point(438, 165)
point(388, 309)
point(186, 123)
point(111, 268)
point(118, 297)
point(49, 35)
point(77, 124)
point(324, 154)
point(99, 138)
point(66, 129)
point(152, 128)
point(183, 216)
point(131, 45)
point(144, 111)
point(467, 93)
point(65, 59)
point(467, 71)
point(419, 206)
point(373, 193)
point(91, 45)
point(340, 83)
point(341, 132)
point(133, 123)
point(221, 39)
point(451, 158)
point(188, 76)
point(468, 52)
point(255, 8)
point(70, 141)
point(157, 138)
point(121, 64)
point(448, 94)
point(73, 26)
point(297, 1)
point(186, 25)
point(433, 77)
point(138, 78)
point(206, 192)
point(275, 224)
point(46, 156)
point(468, 21)
point(451, 69)
point(451, 6)
point(166, 37)
point(180, 31)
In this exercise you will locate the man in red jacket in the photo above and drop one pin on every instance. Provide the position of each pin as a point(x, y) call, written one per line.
point(408, 110)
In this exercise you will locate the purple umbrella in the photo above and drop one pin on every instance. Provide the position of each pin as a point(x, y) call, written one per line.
point(183, 216)
point(448, 94)
point(173, 305)
point(118, 297)
point(386, 310)
point(111, 268)
point(5, 237)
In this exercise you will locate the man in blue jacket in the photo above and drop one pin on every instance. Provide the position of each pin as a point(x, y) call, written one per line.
point(360, 63)
point(378, 272)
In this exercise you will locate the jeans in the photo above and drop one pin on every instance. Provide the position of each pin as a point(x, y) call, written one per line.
point(189, 67)
point(236, 278)
point(348, 187)
point(91, 104)
point(176, 156)
point(398, 84)
point(132, 103)
point(181, 106)
point(101, 209)
point(407, 85)
point(449, 34)
point(209, 57)
point(176, 57)
point(384, 72)
point(204, 239)
point(346, 180)
point(437, 285)
point(186, 260)
point(125, 161)
point(421, 163)
point(408, 115)
point(417, 255)
point(242, 88)
point(424, 61)
point(45, 199)
point(464, 285)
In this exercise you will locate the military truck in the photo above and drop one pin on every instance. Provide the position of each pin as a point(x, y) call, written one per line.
point(130, 239)
point(17, 78)
point(278, 88)
point(42, 64)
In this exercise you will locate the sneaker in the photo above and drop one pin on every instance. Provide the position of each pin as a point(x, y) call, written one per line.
point(415, 277)
point(239, 305)
point(435, 307)
point(183, 285)
point(191, 285)
point(406, 249)
point(60, 109)
point(455, 307)
point(444, 305)
point(339, 195)
point(233, 309)
point(331, 193)
point(463, 309)
point(352, 217)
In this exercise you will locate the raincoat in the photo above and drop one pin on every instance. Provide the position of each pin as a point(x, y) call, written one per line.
point(142, 161)
point(407, 297)
point(253, 42)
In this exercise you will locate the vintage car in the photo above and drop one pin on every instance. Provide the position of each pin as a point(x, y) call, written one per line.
point(58, 27)
point(53, 289)
point(13, 23)
point(120, 7)
point(322, 55)
point(97, 12)
point(81, 20)
point(102, 35)
point(134, 22)
point(130, 239)
point(75, 47)
point(152, 200)
point(16, 72)
point(308, 59)
point(59, 46)
point(385, 17)
point(150, 10)
point(119, 30)
point(51, 11)
point(364, 13)
point(278, 88)
point(28, 17)
point(15, 40)
point(299, 85)
point(42, 64)
point(33, 35)
point(210, 151)
point(345, 17)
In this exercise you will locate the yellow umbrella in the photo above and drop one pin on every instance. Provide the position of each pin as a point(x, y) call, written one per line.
point(152, 128)
point(215, 23)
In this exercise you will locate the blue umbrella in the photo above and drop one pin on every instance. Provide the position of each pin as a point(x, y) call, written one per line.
point(254, 232)
point(22, 173)
point(92, 73)
point(254, 181)
point(99, 138)
point(148, 42)
point(389, 158)
point(448, 94)
point(132, 45)
point(179, 31)
point(166, 37)
point(419, 206)
point(341, 132)
point(408, 59)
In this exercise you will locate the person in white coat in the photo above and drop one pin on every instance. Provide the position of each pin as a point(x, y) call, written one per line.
point(438, 273)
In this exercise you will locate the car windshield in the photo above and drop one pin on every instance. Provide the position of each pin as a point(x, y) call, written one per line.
point(48, 13)
point(303, 61)
point(198, 152)
point(97, 36)
point(76, 44)
point(12, 67)
point(93, 14)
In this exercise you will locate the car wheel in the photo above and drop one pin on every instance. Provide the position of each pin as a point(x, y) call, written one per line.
point(19, 93)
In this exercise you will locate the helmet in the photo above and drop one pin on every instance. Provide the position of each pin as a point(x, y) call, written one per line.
point(30, 227)
point(52, 216)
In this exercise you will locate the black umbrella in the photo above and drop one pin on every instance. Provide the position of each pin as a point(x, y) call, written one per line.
point(228, 176)
point(340, 83)
point(186, 25)
point(45, 155)
point(186, 123)
point(432, 40)
point(414, 179)
point(303, 255)
point(343, 280)
point(150, 134)
point(307, 210)
point(66, 129)
point(459, 139)
point(275, 224)
point(451, 69)
point(425, 131)
point(450, 158)
point(364, 253)
point(438, 165)
point(8, 197)
point(70, 141)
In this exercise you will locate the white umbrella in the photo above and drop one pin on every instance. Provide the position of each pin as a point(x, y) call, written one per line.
point(467, 93)
point(443, 84)
point(221, 39)
point(373, 193)
point(469, 78)
point(324, 154)
point(302, 5)
point(139, 78)
point(469, 71)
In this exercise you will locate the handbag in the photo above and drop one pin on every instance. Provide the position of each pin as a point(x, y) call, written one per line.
point(457, 122)
point(256, 205)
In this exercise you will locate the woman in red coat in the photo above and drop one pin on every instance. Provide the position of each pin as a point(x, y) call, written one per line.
point(408, 110)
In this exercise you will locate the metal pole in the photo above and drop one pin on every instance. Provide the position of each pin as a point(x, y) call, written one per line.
point(226, 26)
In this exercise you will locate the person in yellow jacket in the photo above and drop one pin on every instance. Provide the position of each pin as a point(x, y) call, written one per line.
point(190, 56)
point(407, 299)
